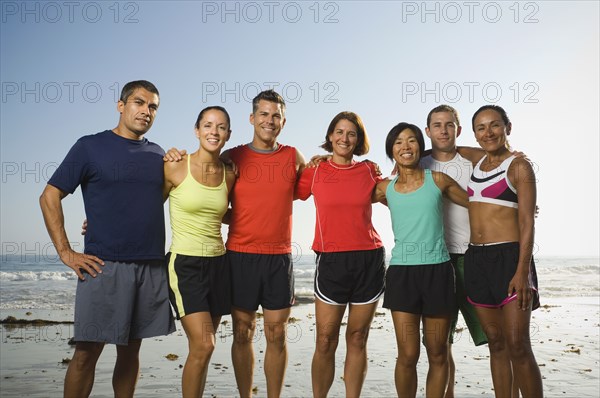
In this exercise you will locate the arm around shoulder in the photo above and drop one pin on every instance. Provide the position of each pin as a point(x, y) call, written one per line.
point(451, 189)
point(472, 154)
point(378, 195)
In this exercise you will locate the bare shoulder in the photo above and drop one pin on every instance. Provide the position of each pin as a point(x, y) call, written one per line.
point(521, 169)
point(383, 184)
point(442, 180)
point(173, 170)
point(172, 166)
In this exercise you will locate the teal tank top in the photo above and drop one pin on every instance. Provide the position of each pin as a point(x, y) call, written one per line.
point(417, 222)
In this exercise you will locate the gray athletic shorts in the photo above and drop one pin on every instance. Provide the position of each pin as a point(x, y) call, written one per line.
point(127, 301)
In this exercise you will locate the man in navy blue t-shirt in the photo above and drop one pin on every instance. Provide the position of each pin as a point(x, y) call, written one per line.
point(122, 294)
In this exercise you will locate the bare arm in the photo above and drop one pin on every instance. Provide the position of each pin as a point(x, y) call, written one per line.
point(472, 154)
point(522, 177)
point(451, 189)
point(230, 177)
point(174, 155)
point(51, 204)
point(378, 195)
point(167, 183)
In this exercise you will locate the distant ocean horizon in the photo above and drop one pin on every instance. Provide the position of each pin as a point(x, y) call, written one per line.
point(32, 282)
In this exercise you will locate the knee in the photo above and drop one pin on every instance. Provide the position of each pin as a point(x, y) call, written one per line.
point(519, 350)
point(496, 345)
point(357, 339)
point(275, 333)
point(243, 332)
point(408, 359)
point(326, 343)
point(438, 353)
point(86, 356)
point(202, 349)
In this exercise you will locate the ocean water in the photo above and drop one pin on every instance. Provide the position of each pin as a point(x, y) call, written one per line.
point(37, 282)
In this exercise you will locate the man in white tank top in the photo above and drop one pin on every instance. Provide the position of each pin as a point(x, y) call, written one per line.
point(443, 127)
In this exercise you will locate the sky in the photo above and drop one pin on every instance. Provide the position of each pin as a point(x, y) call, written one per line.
point(63, 64)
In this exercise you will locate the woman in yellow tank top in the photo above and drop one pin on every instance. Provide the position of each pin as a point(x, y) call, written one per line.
point(198, 190)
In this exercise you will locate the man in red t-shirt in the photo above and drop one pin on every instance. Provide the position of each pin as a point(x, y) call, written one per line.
point(259, 242)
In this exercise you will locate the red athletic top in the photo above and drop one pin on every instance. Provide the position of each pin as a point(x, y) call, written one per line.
point(261, 200)
point(342, 197)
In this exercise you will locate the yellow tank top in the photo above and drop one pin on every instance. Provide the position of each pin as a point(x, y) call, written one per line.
point(196, 213)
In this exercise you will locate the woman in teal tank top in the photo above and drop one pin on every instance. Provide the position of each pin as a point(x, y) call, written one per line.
point(420, 278)
point(198, 191)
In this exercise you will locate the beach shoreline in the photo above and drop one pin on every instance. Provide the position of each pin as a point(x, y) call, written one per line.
point(564, 334)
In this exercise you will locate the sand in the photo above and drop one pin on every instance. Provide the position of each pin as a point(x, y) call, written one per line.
point(564, 333)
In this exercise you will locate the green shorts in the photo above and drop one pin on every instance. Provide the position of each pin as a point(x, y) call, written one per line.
point(466, 309)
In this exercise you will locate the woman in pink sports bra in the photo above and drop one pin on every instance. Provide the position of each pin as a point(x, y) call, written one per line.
point(499, 269)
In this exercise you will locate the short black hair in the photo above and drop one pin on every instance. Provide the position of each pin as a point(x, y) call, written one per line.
point(130, 87)
point(395, 132)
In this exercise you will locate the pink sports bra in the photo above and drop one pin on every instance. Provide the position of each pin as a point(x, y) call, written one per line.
point(493, 186)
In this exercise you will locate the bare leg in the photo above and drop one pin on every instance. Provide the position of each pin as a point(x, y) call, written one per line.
point(451, 374)
point(436, 331)
point(276, 353)
point(408, 335)
point(492, 323)
point(242, 349)
point(200, 330)
point(79, 379)
point(525, 369)
point(515, 387)
point(329, 318)
point(357, 333)
point(127, 369)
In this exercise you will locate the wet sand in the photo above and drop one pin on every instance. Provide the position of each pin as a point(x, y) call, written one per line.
point(564, 333)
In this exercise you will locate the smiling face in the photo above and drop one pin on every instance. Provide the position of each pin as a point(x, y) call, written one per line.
point(268, 119)
point(443, 130)
point(213, 130)
point(137, 113)
point(343, 138)
point(491, 131)
point(406, 149)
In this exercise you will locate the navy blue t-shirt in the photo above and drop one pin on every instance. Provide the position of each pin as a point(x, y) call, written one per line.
point(121, 181)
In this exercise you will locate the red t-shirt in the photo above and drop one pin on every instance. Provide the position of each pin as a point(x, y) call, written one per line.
point(261, 200)
point(342, 197)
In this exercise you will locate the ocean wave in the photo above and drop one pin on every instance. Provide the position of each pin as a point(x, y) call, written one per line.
point(304, 292)
point(35, 305)
point(17, 276)
point(559, 270)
